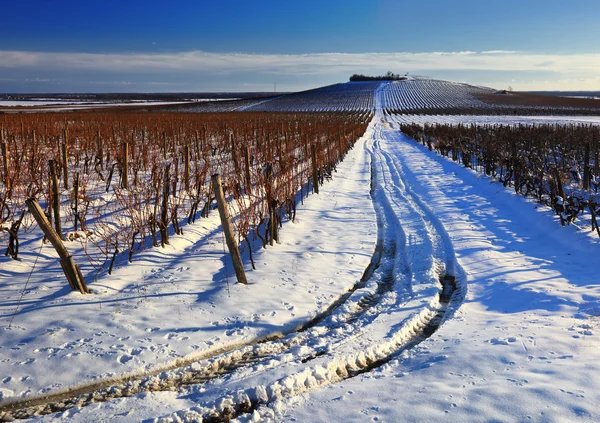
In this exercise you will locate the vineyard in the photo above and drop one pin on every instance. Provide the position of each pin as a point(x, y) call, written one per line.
point(348, 97)
point(412, 96)
point(409, 96)
point(559, 165)
point(507, 120)
point(426, 96)
point(451, 257)
point(120, 183)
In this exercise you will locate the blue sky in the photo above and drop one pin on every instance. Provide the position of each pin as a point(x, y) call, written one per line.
point(110, 45)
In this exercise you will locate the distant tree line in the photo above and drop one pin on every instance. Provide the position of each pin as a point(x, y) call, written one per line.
point(387, 77)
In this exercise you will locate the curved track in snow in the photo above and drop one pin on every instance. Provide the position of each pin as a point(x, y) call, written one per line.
point(411, 287)
point(418, 286)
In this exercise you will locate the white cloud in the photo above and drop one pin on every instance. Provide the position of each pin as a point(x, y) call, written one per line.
point(300, 64)
point(193, 70)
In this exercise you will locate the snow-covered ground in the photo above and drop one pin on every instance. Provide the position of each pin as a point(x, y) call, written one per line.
point(522, 347)
point(41, 102)
point(517, 341)
point(182, 303)
point(63, 106)
point(95, 103)
point(492, 120)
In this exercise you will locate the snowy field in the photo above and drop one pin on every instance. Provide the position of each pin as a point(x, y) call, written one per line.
point(522, 347)
point(182, 301)
point(492, 120)
point(517, 336)
point(25, 103)
point(61, 106)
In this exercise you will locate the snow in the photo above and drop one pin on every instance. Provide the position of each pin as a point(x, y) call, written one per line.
point(426, 93)
point(21, 103)
point(61, 106)
point(517, 341)
point(522, 346)
point(347, 97)
point(173, 305)
point(492, 120)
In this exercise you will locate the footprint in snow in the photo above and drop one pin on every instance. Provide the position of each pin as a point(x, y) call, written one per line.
point(499, 341)
point(124, 358)
point(231, 332)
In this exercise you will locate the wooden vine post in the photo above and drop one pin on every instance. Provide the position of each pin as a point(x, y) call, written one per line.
point(234, 251)
point(76, 201)
point(186, 168)
point(72, 272)
point(33, 152)
point(4, 148)
point(164, 222)
point(236, 165)
point(125, 169)
point(65, 158)
point(99, 152)
point(315, 174)
point(55, 198)
point(586, 167)
point(247, 164)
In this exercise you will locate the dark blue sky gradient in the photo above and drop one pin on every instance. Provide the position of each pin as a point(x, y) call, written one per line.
point(306, 26)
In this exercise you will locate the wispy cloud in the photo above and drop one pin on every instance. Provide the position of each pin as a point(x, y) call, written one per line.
point(182, 67)
point(301, 64)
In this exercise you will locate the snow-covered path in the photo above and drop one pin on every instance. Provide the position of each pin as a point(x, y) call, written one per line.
point(398, 306)
point(523, 346)
point(520, 348)
point(517, 340)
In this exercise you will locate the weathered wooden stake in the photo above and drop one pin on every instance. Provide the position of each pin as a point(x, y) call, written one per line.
point(234, 251)
point(164, 221)
point(186, 167)
point(247, 163)
point(4, 148)
point(125, 169)
point(144, 150)
point(33, 152)
point(99, 152)
point(55, 198)
point(274, 222)
point(65, 165)
point(72, 272)
point(315, 174)
point(76, 202)
point(586, 167)
point(236, 165)
point(65, 157)
point(559, 184)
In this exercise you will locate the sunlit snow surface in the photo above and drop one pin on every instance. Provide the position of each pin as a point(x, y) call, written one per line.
point(493, 120)
point(521, 344)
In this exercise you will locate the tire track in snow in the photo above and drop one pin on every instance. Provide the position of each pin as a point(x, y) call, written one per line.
point(392, 262)
point(354, 304)
point(414, 330)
